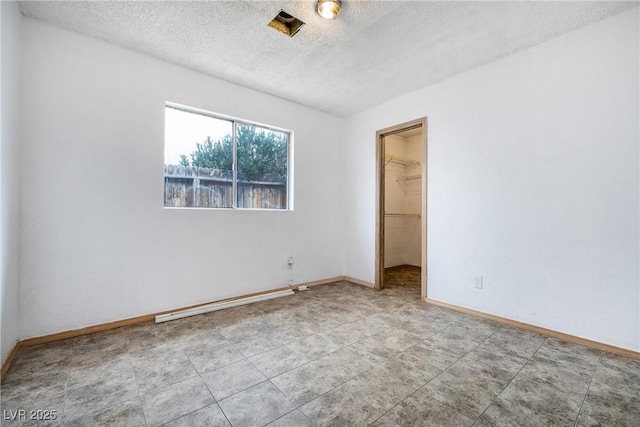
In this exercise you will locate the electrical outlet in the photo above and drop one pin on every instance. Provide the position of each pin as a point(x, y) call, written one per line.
point(477, 282)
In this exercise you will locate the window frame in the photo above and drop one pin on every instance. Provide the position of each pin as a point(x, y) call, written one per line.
point(235, 121)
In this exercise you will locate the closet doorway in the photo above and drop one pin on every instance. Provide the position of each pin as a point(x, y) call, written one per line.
point(401, 206)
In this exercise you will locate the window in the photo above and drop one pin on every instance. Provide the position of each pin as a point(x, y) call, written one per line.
point(213, 161)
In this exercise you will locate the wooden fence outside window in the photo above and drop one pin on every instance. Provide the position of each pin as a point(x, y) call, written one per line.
point(191, 186)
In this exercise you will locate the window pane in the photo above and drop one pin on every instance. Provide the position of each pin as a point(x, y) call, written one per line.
point(198, 160)
point(262, 168)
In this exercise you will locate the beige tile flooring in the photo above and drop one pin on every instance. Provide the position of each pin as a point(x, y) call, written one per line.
point(334, 355)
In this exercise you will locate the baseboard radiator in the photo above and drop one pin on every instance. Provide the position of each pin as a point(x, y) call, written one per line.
point(221, 305)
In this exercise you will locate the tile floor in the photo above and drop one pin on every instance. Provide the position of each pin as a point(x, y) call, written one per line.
point(338, 354)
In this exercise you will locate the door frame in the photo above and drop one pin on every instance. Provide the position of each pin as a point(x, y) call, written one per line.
point(380, 197)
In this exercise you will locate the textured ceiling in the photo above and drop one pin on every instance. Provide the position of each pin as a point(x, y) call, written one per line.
point(375, 50)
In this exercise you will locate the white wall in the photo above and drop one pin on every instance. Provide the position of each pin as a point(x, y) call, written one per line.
point(97, 244)
point(9, 189)
point(532, 183)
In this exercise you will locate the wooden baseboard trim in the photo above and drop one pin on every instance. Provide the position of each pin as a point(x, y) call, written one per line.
point(9, 360)
point(323, 282)
point(540, 330)
point(358, 282)
point(129, 321)
point(28, 342)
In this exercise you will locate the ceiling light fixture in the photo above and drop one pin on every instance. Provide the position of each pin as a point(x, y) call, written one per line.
point(286, 24)
point(329, 9)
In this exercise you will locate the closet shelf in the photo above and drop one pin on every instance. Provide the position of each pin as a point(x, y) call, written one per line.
point(402, 215)
point(409, 166)
point(400, 161)
point(408, 177)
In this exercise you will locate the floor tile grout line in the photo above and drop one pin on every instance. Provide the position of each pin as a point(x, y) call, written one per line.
point(386, 360)
point(307, 363)
point(240, 391)
point(454, 409)
point(215, 401)
point(141, 394)
point(342, 382)
point(96, 412)
point(64, 400)
point(284, 415)
point(588, 388)
point(457, 360)
point(469, 352)
point(440, 373)
point(144, 416)
point(514, 377)
point(313, 360)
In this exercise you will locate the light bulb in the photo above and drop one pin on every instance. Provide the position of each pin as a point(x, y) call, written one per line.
point(329, 9)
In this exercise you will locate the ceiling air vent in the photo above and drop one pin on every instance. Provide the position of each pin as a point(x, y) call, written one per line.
point(286, 23)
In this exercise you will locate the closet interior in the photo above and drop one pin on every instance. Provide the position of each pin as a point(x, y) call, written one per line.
point(402, 206)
